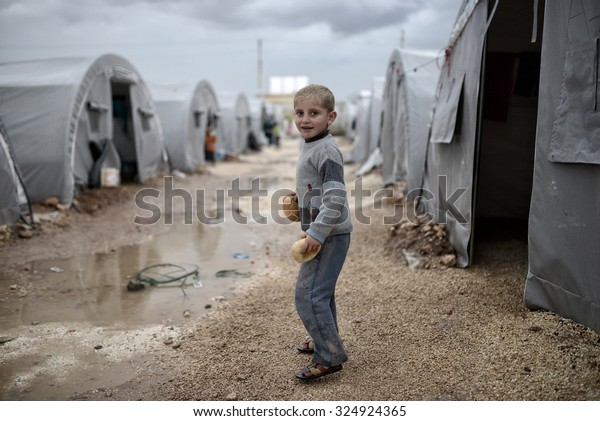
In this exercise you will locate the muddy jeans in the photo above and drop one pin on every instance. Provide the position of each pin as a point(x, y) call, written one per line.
point(315, 299)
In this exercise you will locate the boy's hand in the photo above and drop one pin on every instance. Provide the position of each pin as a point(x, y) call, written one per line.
point(310, 244)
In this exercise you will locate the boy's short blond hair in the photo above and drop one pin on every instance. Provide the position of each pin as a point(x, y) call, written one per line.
point(319, 94)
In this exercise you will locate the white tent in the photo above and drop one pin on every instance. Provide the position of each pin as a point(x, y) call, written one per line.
point(234, 123)
point(410, 85)
point(71, 118)
point(480, 152)
point(14, 203)
point(184, 112)
point(564, 220)
point(495, 154)
point(368, 122)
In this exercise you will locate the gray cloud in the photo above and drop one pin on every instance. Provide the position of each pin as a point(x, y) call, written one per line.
point(343, 43)
point(343, 17)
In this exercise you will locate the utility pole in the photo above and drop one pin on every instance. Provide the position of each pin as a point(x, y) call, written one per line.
point(259, 70)
point(401, 38)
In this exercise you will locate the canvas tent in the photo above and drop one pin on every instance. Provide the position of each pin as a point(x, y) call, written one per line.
point(71, 118)
point(234, 123)
point(564, 220)
point(184, 112)
point(14, 202)
point(408, 95)
point(479, 160)
point(517, 160)
point(368, 122)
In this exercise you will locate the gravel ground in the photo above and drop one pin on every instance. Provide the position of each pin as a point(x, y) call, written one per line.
point(424, 333)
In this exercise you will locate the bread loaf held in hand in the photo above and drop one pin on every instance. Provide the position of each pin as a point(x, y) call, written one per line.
point(303, 257)
point(290, 207)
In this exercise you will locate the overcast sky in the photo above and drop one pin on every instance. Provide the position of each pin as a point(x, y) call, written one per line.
point(343, 44)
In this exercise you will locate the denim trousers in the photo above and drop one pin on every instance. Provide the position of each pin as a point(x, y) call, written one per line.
point(315, 300)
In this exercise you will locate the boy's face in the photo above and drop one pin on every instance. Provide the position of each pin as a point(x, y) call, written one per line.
point(312, 119)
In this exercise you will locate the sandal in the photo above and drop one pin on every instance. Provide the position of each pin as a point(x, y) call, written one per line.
point(314, 371)
point(307, 347)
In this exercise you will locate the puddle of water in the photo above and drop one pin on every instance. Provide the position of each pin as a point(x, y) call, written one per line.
point(93, 288)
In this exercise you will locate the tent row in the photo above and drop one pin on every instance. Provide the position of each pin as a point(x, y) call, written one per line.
point(506, 132)
point(189, 113)
point(393, 130)
point(76, 123)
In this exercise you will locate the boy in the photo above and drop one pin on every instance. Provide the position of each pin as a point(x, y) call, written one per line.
point(326, 222)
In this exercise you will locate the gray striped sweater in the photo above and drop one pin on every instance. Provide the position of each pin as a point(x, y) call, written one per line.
point(321, 190)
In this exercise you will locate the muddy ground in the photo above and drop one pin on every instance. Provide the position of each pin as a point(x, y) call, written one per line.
point(415, 327)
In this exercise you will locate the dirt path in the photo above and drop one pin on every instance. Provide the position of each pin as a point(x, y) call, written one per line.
point(427, 334)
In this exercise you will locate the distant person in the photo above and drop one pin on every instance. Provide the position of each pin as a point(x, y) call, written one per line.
point(210, 145)
point(268, 129)
point(326, 223)
point(253, 142)
point(276, 134)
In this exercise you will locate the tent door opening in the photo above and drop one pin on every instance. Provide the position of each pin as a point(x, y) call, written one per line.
point(124, 131)
point(507, 128)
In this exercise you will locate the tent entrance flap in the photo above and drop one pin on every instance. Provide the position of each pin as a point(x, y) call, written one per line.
point(124, 130)
point(446, 128)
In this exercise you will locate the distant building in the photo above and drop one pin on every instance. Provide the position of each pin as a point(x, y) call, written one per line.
point(281, 94)
point(282, 90)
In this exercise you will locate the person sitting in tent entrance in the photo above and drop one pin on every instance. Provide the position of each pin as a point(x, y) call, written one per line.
point(210, 144)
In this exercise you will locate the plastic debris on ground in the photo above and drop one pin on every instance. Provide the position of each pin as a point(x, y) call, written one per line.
point(411, 259)
point(165, 273)
point(233, 273)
